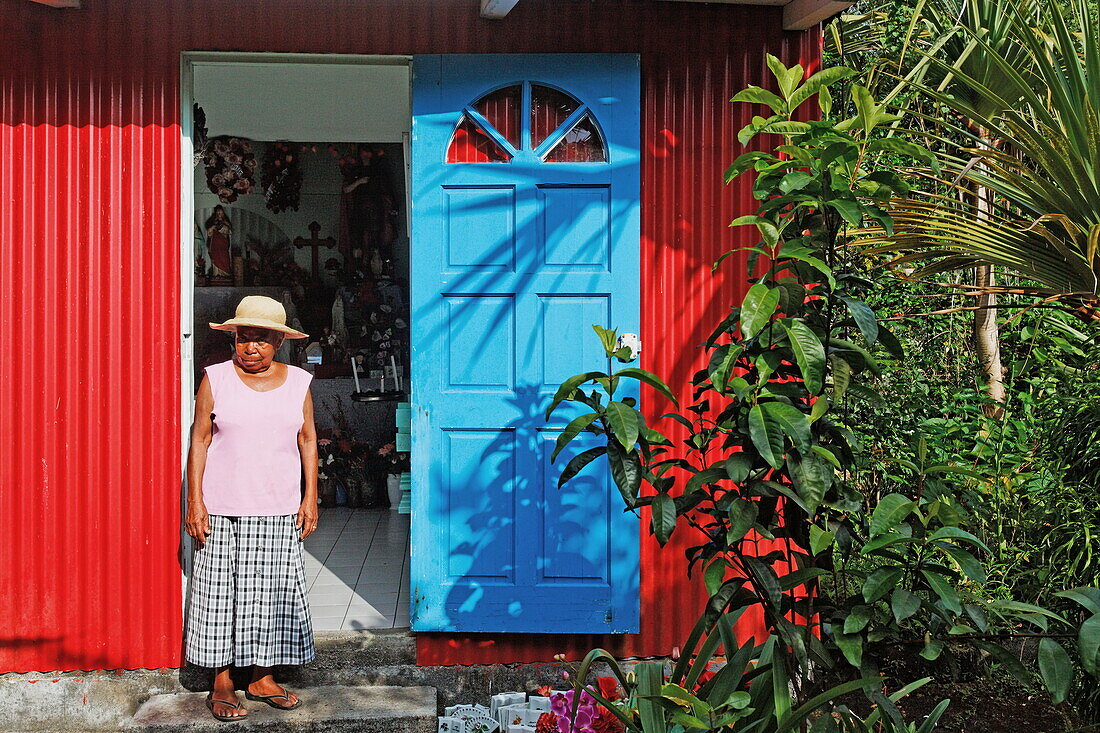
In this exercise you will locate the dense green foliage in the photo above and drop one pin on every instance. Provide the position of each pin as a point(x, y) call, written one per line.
point(764, 468)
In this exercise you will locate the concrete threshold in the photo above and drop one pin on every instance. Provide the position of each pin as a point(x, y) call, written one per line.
point(326, 708)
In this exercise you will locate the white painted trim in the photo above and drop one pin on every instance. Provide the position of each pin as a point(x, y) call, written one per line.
point(497, 9)
point(187, 304)
point(245, 57)
point(800, 15)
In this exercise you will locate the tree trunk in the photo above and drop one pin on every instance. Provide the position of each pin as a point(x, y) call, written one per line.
point(987, 333)
point(987, 342)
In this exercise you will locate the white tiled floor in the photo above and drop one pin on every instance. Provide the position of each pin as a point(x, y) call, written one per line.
point(357, 570)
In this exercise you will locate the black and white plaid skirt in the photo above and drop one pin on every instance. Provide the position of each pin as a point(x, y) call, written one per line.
point(248, 600)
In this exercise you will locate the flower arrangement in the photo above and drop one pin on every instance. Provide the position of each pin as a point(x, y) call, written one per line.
point(393, 461)
point(591, 717)
point(281, 177)
point(230, 167)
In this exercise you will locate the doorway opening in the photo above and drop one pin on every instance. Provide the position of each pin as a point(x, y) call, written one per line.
point(297, 190)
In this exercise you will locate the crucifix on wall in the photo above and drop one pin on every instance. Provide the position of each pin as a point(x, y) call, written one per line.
point(315, 243)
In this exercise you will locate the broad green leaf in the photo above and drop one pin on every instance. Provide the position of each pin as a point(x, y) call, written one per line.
point(808, 352)
point(969, 564)
point(742, 514)
point(744, 162)
point(954, 533)
point(818, 83)
point(891, 511)
point(880, 582)
point(738, 467)
point(721, 365)
point(932, 649)
point(757, 95)
point(715, 575)
point(794, 181)
point(851, 645)
point(842, 375)
point(767, 229)
point(709, 475)
point(565, 391)
point(1087, 597)
point(849, 210)
point(1088, 644)
point(572, 430)
point(624, 423)
point(903, 604)
point(766, 435)
point(792, 421)
point(827, 454)
point(825, 102)
point(801, 577)
point(758, 123)
point(820, 407)
point(812, 476)
point(868, 114)
point(787, 79)
point(1054, 664)
point(648, 378)
point(579, 462)
point(663, 513)
point(626, 471)
point(757, 309)
point(943, 588)
point(820, 539)
point(857, 619)
point(864, 317)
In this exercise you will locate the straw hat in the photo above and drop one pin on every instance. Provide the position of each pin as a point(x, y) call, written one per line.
point(260, 311)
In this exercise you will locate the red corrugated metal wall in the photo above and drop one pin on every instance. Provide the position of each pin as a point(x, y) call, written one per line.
point(89, 278)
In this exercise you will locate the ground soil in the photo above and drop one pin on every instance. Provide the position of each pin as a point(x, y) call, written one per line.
point(990, 705)
point(983, 700)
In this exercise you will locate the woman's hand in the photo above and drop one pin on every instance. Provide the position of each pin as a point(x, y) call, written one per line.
point(307, 518)
point(197, 522)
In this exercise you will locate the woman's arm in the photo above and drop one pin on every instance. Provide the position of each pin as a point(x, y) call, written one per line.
point(197, 521)
point(307, 448)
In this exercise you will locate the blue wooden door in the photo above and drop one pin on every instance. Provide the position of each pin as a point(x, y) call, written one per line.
point(525, 221)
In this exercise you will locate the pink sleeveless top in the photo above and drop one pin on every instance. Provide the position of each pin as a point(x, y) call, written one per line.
point(253, 468)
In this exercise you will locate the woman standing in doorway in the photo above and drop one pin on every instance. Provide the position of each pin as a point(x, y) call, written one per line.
point(252, 441)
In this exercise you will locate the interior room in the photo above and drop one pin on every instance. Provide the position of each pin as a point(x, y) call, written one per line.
point(300, 194)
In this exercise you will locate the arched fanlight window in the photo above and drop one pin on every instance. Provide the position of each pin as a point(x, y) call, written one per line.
point(556, 127)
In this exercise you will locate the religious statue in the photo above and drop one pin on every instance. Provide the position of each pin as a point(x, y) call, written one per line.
point(218, 234)
point(368, 206)
point(339, 328)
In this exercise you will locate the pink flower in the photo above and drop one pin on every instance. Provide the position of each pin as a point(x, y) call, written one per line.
point(324, 441)
point(234, 158)
point(224, 192)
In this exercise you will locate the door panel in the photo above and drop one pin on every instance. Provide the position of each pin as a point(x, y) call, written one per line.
point(516, 251)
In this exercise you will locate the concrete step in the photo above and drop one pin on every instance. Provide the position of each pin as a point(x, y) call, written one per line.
point(326, 708)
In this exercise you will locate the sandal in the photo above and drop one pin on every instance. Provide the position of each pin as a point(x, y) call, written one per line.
point(269, 700)
point(236, 705)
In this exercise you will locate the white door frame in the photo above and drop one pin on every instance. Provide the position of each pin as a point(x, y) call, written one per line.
point(187, 215)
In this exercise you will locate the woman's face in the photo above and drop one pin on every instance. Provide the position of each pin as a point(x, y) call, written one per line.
point(219, 214)
point(255, 348)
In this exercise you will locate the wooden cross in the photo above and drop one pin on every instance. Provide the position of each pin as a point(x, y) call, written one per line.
point(315, 244)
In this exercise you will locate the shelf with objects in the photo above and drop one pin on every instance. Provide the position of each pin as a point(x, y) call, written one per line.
point(320, 227)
